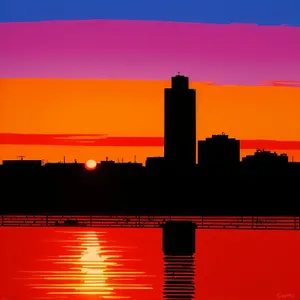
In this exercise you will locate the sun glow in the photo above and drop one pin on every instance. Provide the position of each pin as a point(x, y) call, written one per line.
point(94, 267)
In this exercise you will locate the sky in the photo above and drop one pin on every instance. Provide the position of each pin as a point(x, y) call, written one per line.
point(85, 79)
point(61, 264)
point(267, 12)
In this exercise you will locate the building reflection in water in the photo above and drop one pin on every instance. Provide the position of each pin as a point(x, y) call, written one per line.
point(179, 261)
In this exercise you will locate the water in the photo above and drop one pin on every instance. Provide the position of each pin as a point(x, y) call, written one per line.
point(75, 263)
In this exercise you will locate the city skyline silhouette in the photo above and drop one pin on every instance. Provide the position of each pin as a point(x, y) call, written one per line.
point(102, 140)
point(177, 174)
point(180, 126)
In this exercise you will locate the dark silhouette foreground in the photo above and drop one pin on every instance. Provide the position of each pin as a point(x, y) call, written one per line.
point(220, 184)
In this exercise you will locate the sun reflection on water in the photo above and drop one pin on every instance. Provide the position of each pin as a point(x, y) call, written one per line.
point(91, 266)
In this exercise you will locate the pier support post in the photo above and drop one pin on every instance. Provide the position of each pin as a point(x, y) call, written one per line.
point(179, 247)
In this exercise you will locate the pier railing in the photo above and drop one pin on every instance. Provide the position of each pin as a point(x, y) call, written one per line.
point(203, 222)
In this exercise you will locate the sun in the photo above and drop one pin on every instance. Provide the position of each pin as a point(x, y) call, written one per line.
point(91, 164)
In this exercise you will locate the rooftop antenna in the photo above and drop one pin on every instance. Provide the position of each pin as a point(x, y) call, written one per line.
point(178, 73)
point(106, 158)
point(135, 159)
point(64, 159)
point(21, 157)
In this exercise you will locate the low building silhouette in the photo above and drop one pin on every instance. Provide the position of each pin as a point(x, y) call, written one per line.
point(294, 168)
point(265, 162)
point(22, 168)
point(219, 153)
point(155, 162)
point(64, 166)
point(21, 164)
point(111, 165)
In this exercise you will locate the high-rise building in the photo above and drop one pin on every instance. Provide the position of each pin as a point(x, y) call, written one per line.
point(180, 123)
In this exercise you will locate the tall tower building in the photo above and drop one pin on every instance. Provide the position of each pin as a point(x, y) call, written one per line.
point(180, 123)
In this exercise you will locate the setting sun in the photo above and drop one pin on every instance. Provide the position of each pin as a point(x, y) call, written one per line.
point(90, 164)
